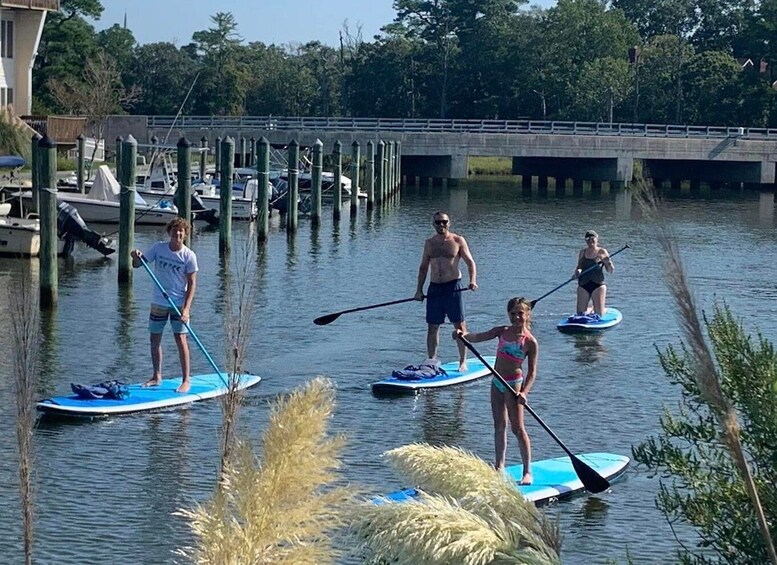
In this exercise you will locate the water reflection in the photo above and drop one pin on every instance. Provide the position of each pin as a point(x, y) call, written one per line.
point(50, 351)
point(168, 454)
point(623, 200)
point(442, 422)
point(589, 348)
point(458, 201)
point(123, 330)
point(766, 209)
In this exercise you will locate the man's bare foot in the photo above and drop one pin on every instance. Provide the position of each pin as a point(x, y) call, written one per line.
point(185, 386)
point(526, 479)
point(154, 381)
point(463, 367)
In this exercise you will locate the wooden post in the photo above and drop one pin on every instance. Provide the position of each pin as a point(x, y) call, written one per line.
point(242, 161)
point(217, 158)
point(183, 189)
point(203, 157)
point(263, 178)
point(35, 164)
point(80, 158)
point(337, 180)
point(252, 150)
point(355, 164)
point(119, 141)
point(315, 187)
point(369, 175)
point(225, 196)
point(293, 161)
point(47, 152)
point(389, 169)
point(127, 178)
point(399, 166)
point(379, 170)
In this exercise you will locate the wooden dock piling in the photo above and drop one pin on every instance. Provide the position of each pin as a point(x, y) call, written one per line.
point(225, 195)
point(183, 190)
point(355, 164)
point(127, 178)
point(315, 188)
point(217, 158)
point(263, 178)
point(337, 181)
point(203, 157)
point(369, 175)
point(293, 162)
point(80, 163)
point(35, 164)
point(47, 153)
point(379, 172)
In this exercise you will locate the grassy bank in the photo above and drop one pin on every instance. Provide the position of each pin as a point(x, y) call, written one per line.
point(490, 165)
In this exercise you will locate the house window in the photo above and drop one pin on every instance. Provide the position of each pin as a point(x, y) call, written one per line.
point(6, 39)
point(9, 96)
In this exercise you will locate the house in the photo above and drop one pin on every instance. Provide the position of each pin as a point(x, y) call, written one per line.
point(21, 25)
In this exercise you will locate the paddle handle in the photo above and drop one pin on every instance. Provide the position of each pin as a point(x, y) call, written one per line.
point(592, 267)
point(178, 312)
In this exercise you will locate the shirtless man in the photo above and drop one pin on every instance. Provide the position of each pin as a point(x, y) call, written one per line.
point(442, 252)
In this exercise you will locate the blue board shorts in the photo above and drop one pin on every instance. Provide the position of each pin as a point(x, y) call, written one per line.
point(443, 300)
point(157, 320)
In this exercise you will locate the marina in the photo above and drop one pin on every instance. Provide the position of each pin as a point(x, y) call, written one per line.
point(590, 388)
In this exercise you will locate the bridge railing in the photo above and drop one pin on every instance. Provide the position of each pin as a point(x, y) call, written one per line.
point(410, 125)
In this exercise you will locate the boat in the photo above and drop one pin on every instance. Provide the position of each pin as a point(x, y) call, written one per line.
point(139, 398)
point(552, 479)
point(102, 203)
point(449, 376)
point(590, 323)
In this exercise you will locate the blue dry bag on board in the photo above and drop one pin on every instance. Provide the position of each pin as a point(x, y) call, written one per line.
point(426, 370)
point(106, 390)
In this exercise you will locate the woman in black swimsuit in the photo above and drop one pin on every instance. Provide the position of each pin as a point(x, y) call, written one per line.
point(590, 286)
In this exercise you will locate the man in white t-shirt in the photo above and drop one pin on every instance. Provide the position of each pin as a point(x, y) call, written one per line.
point(175, 265)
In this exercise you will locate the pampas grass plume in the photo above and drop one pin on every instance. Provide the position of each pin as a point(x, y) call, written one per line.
point(281, 508)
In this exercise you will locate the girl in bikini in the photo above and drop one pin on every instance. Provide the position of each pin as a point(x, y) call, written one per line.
point(516, 343)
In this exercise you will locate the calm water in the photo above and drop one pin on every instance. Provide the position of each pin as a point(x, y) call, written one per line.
point(106, 490)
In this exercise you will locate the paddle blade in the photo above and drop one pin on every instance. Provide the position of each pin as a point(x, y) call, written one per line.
point(592, 481)
point(324, 320)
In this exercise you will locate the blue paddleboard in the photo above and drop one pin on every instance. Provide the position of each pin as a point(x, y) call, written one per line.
point(475, 370)
point(145, 398)
point(553, 479)
point(584, 323)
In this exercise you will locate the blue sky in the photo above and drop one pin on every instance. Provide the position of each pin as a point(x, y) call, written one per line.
point(268, 21)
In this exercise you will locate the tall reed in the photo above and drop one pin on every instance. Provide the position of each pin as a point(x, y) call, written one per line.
point(705, 371)
point(468, 513)
point(26, 335)
point(239, 295)
point(281, 508)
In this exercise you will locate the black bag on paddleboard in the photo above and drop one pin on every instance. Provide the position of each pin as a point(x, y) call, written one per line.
point(426, 370)
point(106, 390)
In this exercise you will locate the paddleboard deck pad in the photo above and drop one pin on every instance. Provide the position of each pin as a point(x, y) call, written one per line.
point(142, 398)
point(452, 376)
point(552, 479)
point(586, 323)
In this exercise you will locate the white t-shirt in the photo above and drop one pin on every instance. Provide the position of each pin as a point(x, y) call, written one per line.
point(171, 268)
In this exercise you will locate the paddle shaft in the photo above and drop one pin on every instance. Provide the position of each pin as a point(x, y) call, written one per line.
point(329, 318)
point(177, 311)
point(592, 267)
point(589, 477)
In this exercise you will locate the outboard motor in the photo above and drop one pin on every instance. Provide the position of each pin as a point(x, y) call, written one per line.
point(201, 212)
point(72, 227)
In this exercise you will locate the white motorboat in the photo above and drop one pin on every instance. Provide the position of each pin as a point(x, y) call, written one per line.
point(102, 204)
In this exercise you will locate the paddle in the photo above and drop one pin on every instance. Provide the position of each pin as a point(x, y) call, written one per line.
point(591, 480)
point(329, 318)
point(592, 267)
point(178, 312)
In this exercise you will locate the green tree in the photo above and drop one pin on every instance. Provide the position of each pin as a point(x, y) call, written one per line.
point(712, 89)
point(704, 487)
point(658, 78)
point(601, 89)
point(67, 41)
point(222, 86)
point(163, 75)
point(575, 32)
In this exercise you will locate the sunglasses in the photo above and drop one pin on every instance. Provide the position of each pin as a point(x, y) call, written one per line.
point(441, 222)
point(590, 237)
